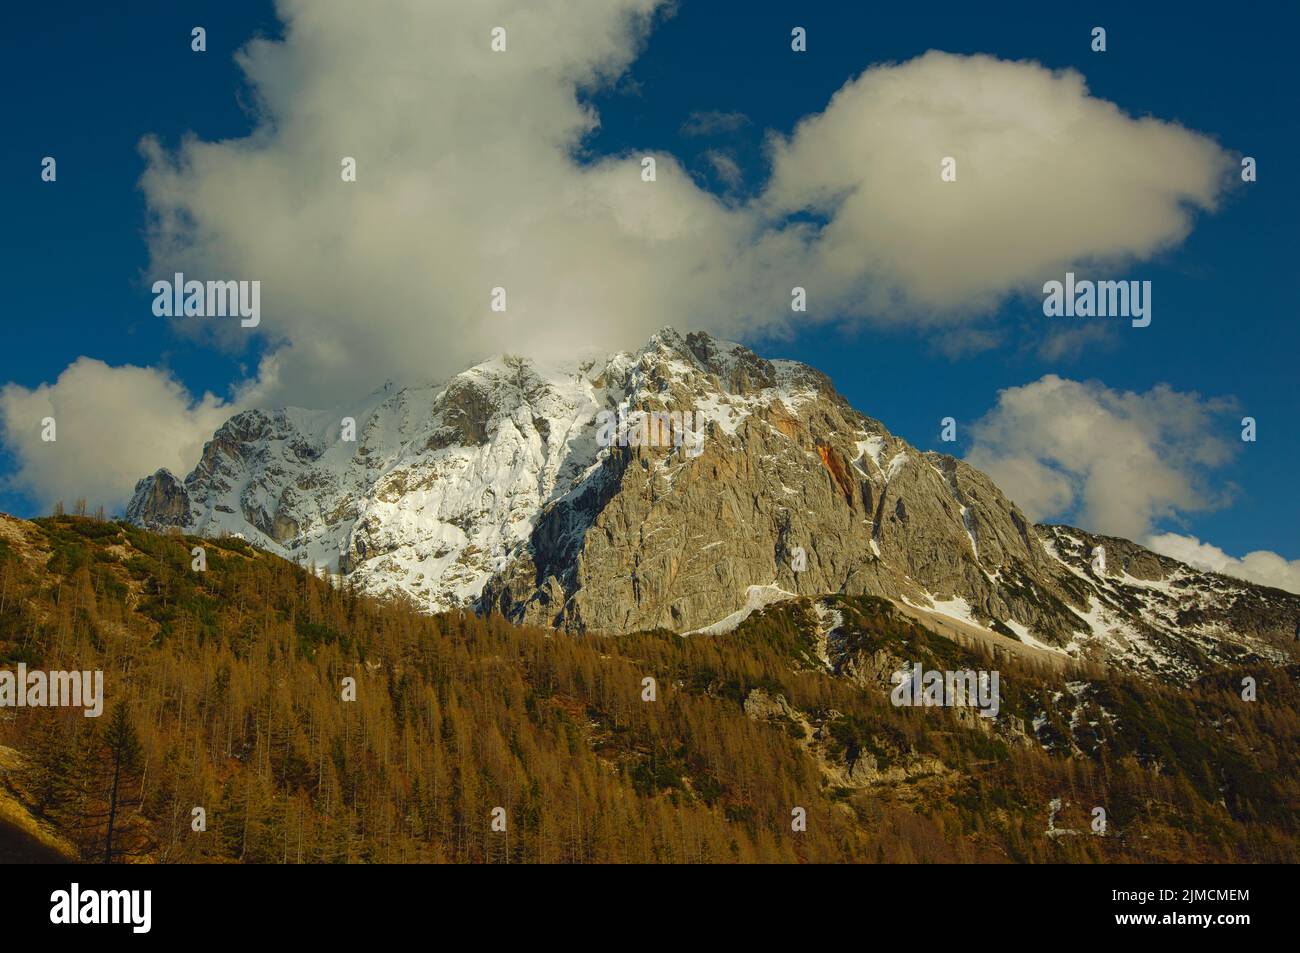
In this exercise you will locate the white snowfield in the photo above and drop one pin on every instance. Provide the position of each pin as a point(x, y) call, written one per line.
point(756, 597)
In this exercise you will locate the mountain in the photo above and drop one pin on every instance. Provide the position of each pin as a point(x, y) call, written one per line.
point(499, 490)
point(316, 724)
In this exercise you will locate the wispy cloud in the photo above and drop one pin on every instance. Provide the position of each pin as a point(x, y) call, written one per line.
point(725, 167)
point(713, 123)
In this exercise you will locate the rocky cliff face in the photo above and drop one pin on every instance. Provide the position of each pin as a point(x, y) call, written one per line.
point(502, 489)
point(162, 500)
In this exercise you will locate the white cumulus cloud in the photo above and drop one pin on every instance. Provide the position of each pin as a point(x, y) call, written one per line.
point(112, 425)
point(1047, 177)
point(1117, 462)
point(1264, 567)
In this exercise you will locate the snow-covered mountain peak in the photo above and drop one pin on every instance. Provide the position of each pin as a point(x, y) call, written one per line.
point(427, 489)
point(509, 487)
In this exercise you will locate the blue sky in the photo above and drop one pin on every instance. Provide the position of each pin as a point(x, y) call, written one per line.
point(86, 85)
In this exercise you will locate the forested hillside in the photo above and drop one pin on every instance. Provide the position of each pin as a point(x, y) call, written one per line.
point(226, 691)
